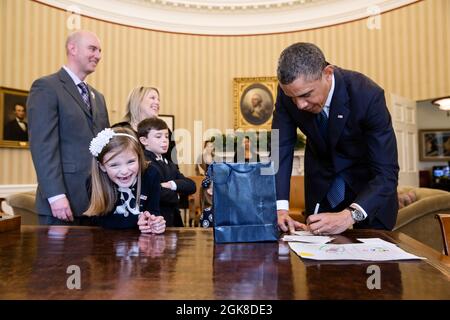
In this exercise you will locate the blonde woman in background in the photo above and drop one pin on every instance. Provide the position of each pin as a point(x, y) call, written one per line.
point(143, 103)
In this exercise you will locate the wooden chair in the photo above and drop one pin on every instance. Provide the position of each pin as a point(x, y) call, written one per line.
point(194, 202)
point(444, 222)
point(297, 198)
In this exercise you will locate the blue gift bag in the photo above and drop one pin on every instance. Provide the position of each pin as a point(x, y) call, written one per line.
point(244, 202)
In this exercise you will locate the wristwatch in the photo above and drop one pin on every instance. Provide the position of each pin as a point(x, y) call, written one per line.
point(357, 214)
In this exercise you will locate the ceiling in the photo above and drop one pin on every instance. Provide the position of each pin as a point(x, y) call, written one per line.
point(227, 17)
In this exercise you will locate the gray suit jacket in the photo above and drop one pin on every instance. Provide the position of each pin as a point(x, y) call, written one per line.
point(60, 131)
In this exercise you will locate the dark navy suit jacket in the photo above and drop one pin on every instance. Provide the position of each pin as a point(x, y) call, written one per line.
point(362, 148)
point(169, 199)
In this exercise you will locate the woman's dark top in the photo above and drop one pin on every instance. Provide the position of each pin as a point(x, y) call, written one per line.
point(254, 158)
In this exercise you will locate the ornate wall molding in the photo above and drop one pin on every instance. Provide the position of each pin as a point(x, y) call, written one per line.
point(231, 17)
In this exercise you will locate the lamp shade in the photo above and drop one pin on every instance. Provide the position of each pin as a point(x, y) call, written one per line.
point(443, 103)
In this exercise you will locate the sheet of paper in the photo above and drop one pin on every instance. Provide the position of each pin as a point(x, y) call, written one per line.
point(308, 239)
point(303, 233)
point(371, 251)
point(375, 241)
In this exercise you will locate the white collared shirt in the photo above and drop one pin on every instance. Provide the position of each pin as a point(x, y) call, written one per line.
point(326, 107)
point(75, 78)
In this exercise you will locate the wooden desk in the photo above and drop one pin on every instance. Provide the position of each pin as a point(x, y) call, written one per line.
point(185, 264)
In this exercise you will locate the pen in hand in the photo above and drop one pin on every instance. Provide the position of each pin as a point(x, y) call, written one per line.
point(316, 209)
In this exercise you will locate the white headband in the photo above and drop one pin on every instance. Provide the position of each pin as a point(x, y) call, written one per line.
point(102, 139)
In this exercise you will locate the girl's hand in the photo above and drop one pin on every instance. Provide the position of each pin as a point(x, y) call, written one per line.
point(149, 223)
point(157, 224)
point(143, 222)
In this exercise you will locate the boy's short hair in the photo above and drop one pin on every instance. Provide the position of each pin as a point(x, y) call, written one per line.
point(148, 124)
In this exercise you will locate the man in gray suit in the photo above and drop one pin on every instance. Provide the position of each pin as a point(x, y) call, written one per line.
point(64, 114)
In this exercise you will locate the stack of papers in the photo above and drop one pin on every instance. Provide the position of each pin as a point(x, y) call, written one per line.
point(373, 249)
point(307, 239)
point(303, 233)
point(306, 236)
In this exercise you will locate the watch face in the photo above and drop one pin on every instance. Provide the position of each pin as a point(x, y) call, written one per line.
point(357, 215)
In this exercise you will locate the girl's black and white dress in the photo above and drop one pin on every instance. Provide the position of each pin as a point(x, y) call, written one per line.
point(125, 214)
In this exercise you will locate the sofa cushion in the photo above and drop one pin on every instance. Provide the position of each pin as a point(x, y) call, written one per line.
point(23, 204)
point(24, 200)
point(422, 192)
point(406, 198)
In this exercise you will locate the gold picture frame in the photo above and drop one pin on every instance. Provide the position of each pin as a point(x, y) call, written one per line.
point(434, 145)
point(254, 102)
point(12, 107)
point(169, 120)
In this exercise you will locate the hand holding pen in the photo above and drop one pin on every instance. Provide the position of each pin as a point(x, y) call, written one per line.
point(328, 222)
point(316, 211)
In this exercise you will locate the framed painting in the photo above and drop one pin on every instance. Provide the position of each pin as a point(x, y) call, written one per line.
point(434, 145)
point(13, 118)
point(169, 120)
point(254, 102)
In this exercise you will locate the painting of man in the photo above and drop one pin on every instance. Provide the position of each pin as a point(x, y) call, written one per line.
point(17, 128)
point(257, 105)
point(13, 118)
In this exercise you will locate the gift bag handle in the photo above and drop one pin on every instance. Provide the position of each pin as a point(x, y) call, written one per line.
point(241, 171)
point(230, 168)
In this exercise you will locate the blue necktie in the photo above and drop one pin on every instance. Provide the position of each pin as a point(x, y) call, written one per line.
point(336, 193)
point(322, 122)
point(85, 95)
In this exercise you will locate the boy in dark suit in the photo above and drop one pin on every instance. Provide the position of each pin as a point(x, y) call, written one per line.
point(153, 134)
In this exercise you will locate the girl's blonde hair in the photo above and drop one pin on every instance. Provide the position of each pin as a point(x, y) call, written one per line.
point(103, 190)
point(133, 108)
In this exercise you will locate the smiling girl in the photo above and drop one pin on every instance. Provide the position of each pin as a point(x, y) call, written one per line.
point(125, 191)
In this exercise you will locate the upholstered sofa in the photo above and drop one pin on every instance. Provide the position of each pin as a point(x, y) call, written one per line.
point(23, 204)
point(417, 219)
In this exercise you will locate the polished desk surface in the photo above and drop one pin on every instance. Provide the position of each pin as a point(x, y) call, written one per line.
point(185, 264)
